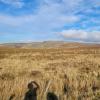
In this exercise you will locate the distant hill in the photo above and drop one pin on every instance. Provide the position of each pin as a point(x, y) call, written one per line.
point(50, 44)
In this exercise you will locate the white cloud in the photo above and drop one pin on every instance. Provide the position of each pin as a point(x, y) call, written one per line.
point(52, 14)
point(15, 21)
point(81, 35)
point(47, 18)
point(74, 34)
point(14, 3)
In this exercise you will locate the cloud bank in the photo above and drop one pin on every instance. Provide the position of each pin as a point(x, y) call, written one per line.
point(81, 35)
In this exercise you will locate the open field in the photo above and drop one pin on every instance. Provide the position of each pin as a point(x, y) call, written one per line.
point(78, 68)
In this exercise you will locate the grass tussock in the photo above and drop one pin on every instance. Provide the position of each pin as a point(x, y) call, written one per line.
point(74, 74)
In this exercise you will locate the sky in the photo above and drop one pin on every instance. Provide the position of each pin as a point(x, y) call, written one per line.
point(49, 20)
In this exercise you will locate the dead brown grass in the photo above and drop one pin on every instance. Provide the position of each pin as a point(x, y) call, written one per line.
point(78, 69)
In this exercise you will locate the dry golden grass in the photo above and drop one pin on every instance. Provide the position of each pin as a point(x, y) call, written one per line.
point(79, 69)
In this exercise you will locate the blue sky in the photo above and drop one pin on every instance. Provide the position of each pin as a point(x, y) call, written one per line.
point(43, 20)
